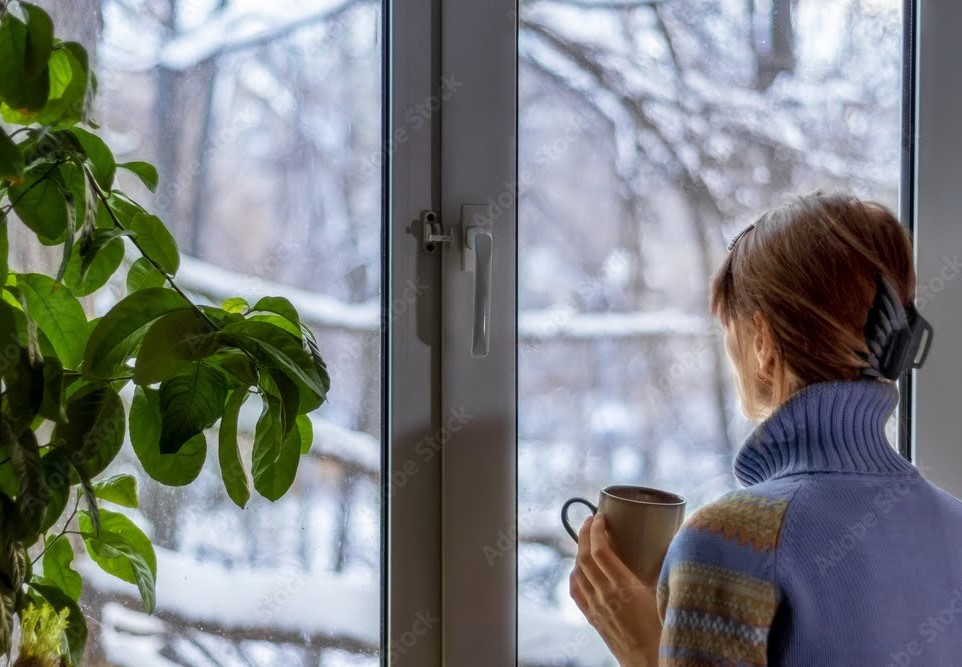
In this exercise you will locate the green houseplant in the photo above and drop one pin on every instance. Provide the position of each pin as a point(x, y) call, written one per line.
point(62, 419)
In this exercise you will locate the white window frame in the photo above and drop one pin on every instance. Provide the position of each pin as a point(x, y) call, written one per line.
point(445, 519)
point(411, 480)
point(937, 204)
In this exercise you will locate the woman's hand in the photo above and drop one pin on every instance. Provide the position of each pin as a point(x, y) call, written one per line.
point(616, 603)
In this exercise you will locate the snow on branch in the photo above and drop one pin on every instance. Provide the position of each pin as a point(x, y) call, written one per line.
point(323, 311)
point(217, 284)
point(557, 324)
point(232, 30)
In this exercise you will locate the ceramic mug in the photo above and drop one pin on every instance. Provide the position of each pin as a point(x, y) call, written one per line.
point(641, 523)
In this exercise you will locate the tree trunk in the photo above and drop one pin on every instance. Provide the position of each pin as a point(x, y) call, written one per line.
point(775, 51)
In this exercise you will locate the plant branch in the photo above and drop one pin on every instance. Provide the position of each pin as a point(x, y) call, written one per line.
point(170, 279)
point(133, 239)
point(62, 532)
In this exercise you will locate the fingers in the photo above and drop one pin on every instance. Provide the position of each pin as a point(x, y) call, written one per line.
point(605, 559)
point(586, 561)
point(581, 590)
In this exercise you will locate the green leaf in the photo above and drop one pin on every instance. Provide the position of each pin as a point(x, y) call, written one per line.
point(8, 338)
point(70, 85)
point(76, 633)
point(11, 159)
point(39, 41)
point(277, 321)
point(235, 304)
point(56, 567)
point(58, 314)
point(86, 273)
point(143, 275)
point(67, 90)
point(119, 489)
point(99, 156)
point(305, 429)
point(7, 618)
point(20, 87)
point(8, 476)
point(319, 366)
point(69, 234)
point(4, 252)
point(52, 405)
point(167, 345)
point(145, 423)
point(119, 332)
point(146, 172)
point(228, 452)
point(57, 472)
point(40, 205)
point(123, 550)
point(237, 367)
point(190, 401)
point(282, 387)
point(281, 306)
point(76, 183)
point(32, 495)
point(275, 456)
point(94, 431)
point(277, 348)
point(156, 241)
point(93, 505)
point(24, 383)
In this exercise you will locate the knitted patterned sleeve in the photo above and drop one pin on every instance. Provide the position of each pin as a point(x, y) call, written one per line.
point(717, 594)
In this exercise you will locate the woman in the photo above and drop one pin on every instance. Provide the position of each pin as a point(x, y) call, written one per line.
point(836, 551)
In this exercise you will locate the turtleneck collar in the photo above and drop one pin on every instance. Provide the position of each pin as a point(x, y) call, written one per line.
point(834, 426)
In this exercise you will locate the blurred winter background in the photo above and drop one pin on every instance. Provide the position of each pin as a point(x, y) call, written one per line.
point(649, 133)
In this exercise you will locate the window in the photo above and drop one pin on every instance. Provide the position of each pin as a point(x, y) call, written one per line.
point(609, 148)
point(649, 133)
point(265, 123)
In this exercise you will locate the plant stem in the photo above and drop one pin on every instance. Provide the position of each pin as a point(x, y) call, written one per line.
point(133, 239)
point(170, 279)
point(60, 534)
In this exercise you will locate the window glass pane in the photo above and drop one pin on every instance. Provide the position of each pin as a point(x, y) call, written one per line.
point(649, 134)
point(264, 120)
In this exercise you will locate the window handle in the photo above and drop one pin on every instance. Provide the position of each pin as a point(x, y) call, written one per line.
point(478, 256)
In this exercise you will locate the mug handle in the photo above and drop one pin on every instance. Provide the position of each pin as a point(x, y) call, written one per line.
point(564, 514)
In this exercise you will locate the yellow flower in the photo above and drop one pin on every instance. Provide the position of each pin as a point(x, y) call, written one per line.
point(41, 636)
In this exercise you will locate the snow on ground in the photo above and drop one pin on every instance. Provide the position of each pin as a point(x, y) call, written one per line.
point(323, 603)
point(315, 602)
point(547, 636)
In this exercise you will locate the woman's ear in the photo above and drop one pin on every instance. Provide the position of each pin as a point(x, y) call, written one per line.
point(763, 344)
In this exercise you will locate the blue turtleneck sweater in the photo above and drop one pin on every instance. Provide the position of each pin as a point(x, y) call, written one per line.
point(837, 552)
